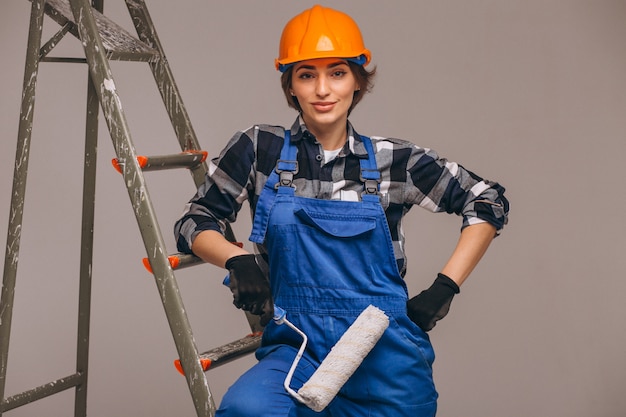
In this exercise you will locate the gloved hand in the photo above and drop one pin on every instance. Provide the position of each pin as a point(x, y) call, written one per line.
point(432, 304)
point(250, 288)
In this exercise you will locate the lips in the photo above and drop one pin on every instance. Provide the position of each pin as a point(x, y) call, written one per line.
point(323, 106)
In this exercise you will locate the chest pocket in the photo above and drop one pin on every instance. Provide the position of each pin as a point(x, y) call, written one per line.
point(337, 225)
point(324, 249)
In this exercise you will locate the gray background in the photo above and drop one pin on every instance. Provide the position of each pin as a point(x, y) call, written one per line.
point(529, 93)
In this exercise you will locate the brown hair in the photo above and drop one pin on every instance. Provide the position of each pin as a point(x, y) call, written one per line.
point(364, 78)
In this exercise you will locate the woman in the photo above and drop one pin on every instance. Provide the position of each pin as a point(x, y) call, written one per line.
point(327, 206)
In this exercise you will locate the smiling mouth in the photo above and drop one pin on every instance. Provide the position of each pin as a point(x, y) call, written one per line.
point(323, 106)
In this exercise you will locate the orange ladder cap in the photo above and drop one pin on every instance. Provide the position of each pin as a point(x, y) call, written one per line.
point(205, 154)
point(205, 363)
point(174, 262)
point(142, 160)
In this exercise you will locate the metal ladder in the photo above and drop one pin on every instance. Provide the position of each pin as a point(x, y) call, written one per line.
point(104, 40)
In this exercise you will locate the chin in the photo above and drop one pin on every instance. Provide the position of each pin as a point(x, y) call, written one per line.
point(325, 119)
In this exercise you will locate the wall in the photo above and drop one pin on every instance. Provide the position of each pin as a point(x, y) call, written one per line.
point(529, 93)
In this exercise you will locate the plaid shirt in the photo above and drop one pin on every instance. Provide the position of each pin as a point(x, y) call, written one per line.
point(410, 176)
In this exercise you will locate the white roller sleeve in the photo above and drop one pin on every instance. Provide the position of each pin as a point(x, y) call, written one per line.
point(343, 359)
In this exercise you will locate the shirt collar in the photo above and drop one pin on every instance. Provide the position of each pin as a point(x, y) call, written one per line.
point(354, 146)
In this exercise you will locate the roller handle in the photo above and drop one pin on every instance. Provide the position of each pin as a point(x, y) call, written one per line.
point(279, 313)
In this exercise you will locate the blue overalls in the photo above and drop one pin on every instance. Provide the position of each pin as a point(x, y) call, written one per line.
point(328, 261)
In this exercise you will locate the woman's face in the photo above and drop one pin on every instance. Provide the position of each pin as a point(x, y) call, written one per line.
point(324, 88)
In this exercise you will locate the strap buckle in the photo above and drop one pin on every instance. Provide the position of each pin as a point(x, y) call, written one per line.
point(286, 171)
point(371, 181)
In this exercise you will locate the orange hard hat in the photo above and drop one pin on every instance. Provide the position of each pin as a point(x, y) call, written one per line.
point(321, 32)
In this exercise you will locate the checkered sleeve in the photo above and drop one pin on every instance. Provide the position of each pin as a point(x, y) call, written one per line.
point(439, 185)
point(220, 197)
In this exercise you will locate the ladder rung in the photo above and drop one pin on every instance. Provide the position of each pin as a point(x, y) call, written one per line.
point(187, 159)
point(177, 261)
point(43, 391)
point(117, 41)
point(226, 353)
point(182, 260)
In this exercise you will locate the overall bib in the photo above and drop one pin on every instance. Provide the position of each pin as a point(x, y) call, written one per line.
point(328, 261)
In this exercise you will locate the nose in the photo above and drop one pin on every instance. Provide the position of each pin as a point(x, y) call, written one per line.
point(322, 86)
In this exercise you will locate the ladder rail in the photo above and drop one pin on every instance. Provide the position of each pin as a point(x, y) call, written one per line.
point(172, 98)
point(167, 87)
point(144, 212)
point(101, 43)
point(19, 188)
point(86, 246)
point(35, 54)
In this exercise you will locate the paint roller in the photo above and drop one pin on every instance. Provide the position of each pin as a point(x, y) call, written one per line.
point(341, 362)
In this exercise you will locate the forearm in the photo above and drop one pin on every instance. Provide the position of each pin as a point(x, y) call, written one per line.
point(471, 247)
point(212, 247)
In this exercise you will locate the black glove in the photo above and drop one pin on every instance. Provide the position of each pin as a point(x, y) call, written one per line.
point(250, 288)
point(431, 305)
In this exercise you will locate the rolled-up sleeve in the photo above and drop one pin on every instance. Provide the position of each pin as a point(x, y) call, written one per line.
point(220, 197)
point(439, 185)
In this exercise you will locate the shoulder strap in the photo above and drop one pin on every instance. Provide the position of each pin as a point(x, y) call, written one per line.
point(369, 171)
point(281, 177)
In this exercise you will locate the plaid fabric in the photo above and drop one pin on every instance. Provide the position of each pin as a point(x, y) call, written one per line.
point(410, 176)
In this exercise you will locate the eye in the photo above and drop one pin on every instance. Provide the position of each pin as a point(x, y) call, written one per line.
point(305, 75)
point(339, 73)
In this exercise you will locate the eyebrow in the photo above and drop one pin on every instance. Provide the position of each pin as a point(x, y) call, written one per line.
point(331, 65)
